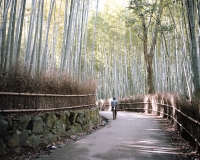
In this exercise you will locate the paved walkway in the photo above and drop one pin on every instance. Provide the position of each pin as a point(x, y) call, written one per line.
point(132, 136)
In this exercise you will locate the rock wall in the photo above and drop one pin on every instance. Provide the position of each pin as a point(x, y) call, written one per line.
point(42, 129)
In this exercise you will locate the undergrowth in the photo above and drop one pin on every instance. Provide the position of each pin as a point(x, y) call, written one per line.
point(18, 80)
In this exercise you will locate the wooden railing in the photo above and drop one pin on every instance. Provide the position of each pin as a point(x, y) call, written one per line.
point(32, 102)
point(168, 114)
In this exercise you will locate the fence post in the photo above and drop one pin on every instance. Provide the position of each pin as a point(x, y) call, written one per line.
point(168, 116)
point(181, 129)
point(162, 111)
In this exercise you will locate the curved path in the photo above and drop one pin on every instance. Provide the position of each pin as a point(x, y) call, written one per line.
point(132, 136)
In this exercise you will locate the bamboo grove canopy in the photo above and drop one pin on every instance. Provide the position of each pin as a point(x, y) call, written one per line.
point(129, 46)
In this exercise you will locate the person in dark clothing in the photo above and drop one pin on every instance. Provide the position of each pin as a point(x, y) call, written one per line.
point(114, 108)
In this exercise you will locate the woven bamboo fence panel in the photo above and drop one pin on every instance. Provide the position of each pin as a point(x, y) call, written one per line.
point(16, 102)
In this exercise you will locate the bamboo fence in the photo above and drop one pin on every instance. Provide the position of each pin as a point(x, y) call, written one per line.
point(12, 102)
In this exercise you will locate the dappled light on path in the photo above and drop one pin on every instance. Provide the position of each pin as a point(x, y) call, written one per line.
point(150, 146)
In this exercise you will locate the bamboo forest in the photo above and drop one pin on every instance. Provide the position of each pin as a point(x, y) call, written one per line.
point(121, 47)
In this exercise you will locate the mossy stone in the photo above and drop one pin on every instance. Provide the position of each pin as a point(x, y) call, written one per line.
point(78, 128)
point(3, 147)
point(3, 127)
point(49, 138)
point(23, 137)
point(20, 123)
point(37, 125)
point(13, 140)
point(72, 117)
point(50, 120)
point(34, 140)
point(80, 118)
point(67, 113)
point(67, 125)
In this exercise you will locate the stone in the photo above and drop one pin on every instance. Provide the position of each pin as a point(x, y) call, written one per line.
point(45, 129)
point(23, 137)
point(20, 123)
point(91, 113)
point(49, 138)
point(91, 123)
point(9, 120)
point(3, 128)
point(93, 110)
point(88, 125)
point(94, 118)
point(18, 132)
point(63, 116)
point(58, 115)
point(72, 117)
point(36, 125)
point(86, 120)
point(54, 131)
point(78, 128)
point(61, 133)
point(13, 140)
point(96, 121)
point(29, 132)
point(103, 122)
point(67, 113)
point(3, 147)
point(59, 125)
point(50, 120)
point(71, 131)
point(80, 118)
point(17, 150)
point(34, 140)
point(60, 128)
point(87, 113)
point(67, 125)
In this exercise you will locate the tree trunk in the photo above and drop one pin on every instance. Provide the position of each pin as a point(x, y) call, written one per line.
point(148, 59)
point(150, 55)
point(150, 85)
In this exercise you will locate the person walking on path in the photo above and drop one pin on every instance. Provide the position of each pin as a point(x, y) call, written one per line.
point(114, 108)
